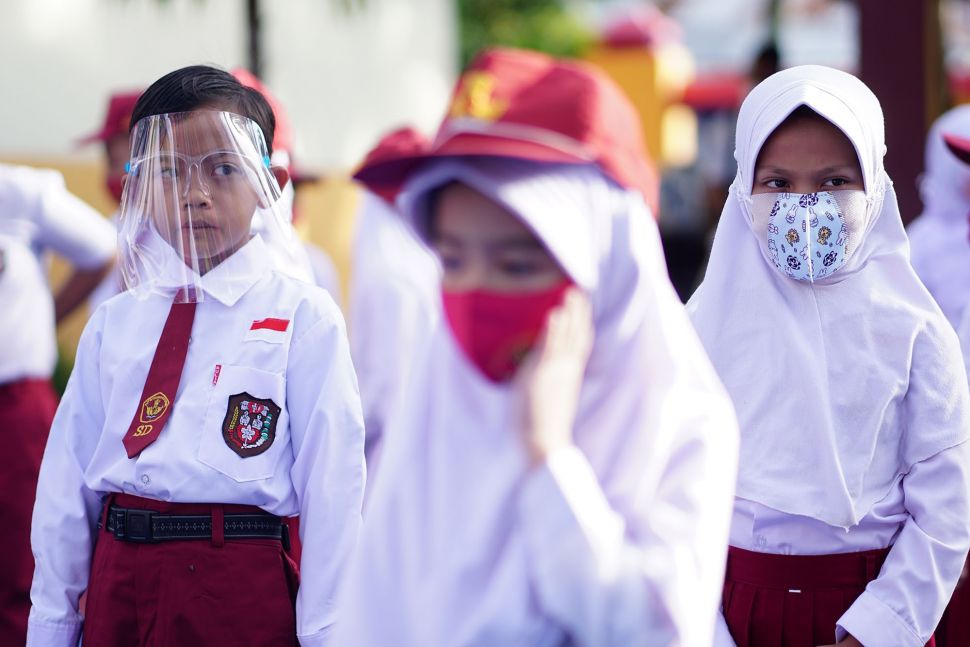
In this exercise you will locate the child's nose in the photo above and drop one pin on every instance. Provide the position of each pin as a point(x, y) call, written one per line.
point(195, 192)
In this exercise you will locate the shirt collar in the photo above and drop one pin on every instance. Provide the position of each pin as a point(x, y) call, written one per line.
point(227, 281)
point(233, 277)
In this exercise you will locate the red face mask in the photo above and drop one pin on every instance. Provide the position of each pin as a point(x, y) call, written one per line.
point(497, 330)
point(115, 187)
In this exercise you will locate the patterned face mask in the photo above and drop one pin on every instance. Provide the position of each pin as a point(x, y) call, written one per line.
point(806, 235)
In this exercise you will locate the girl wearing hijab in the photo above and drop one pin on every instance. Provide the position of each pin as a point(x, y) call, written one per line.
point(938, 239)
point(851, 521)
point(578, 496)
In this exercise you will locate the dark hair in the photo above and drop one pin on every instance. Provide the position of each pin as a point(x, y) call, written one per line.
point(200, 86)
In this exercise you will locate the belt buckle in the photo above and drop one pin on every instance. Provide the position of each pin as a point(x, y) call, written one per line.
point(138, 526)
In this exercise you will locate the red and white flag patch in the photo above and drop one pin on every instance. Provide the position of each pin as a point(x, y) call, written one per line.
point(270, 330)
point(270, 323)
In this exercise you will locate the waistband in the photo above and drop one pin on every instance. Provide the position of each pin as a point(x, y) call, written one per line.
point(139, 520)
point(797, 572)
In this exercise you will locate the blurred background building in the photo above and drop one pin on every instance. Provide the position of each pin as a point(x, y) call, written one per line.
point(348, 71)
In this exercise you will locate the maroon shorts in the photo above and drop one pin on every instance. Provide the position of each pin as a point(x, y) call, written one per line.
point(28, 409)
point(793, 600)
point(219, 591)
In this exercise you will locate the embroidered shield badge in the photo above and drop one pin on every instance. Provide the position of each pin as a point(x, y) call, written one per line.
point(250, 424)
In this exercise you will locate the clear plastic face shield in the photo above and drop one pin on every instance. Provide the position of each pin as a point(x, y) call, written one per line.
point(199, 190)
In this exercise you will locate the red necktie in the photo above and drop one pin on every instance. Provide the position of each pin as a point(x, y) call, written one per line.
point(163, 379)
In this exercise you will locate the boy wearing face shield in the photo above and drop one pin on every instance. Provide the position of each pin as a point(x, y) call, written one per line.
point(210, 402)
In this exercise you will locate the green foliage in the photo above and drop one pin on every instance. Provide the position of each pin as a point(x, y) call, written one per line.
point(543, 25)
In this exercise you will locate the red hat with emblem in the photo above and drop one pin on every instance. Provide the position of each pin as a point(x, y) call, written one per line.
point(401, 144)
point(283, 138)
point(527, 105)
point(117, 120)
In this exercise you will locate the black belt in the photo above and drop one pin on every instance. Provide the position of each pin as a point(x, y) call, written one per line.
point(148, 527)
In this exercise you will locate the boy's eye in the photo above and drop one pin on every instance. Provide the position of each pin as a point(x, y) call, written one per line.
point(224, 169)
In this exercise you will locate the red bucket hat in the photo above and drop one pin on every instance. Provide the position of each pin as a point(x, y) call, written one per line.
point(283, 138)
point(401, 144)
point(959, 146)
point(117, 119)
point(522, 104)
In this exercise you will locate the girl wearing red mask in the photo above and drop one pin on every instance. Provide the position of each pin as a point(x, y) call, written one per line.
point(560, 470)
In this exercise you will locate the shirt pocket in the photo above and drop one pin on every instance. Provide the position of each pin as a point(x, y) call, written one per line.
point(246, 426)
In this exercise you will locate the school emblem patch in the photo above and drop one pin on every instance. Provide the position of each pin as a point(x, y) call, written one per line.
point(249, 427)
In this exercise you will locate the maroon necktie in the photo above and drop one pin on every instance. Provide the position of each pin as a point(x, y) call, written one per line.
point(163, 379)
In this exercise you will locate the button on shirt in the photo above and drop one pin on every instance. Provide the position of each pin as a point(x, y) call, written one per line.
point(38, 214)
point(314, 467)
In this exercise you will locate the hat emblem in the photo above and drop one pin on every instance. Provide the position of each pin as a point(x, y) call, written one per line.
point(476, 98)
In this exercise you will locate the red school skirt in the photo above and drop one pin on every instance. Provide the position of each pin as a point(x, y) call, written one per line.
point(28, 409)
point(215, 591)
point(793, 600)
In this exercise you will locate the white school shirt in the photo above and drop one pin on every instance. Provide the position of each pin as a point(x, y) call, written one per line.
point(903, 605)
point(394, 305)
point(313, 469)
point(38, 214)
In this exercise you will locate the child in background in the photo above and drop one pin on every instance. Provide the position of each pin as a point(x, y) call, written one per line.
point(393, 290)
point(939, 239)
point(562, 466)
point(113, 135)
point(210, 400)
point(37, 215)
point(851, 523)
point(937, 234)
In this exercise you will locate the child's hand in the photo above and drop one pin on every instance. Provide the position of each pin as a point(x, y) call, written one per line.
point(548, 382)
point(848, 641)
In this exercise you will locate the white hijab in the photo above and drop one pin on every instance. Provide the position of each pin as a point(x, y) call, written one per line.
point(841, 386)
point(940, 237)
point(442, 559)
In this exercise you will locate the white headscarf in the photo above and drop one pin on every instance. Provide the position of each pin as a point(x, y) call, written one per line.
point(443, 558)
point(940, 237)
point(841, 386)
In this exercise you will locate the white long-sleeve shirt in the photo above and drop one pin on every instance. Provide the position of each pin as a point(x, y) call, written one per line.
point(924, 519)
point(38, 214)
point(314, 467)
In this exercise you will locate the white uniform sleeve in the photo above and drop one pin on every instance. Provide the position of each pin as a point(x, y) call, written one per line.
point(905, 603)
point(66, 511)
point(607, 587)
point(328, 470)
point(71, 228)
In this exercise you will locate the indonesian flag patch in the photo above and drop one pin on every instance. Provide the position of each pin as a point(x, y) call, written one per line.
point(270, 330)
point(249, 427)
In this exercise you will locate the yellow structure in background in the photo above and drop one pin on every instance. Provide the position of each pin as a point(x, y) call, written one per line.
point(327, 209)
point(654, 79)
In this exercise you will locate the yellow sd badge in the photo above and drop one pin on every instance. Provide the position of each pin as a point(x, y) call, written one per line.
point(153, 407)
